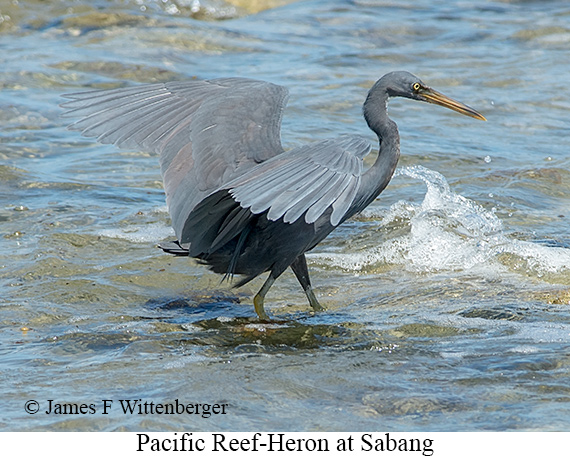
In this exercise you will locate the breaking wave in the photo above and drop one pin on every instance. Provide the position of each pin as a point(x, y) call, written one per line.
point(448, 232)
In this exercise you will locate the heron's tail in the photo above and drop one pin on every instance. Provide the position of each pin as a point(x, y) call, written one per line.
point(178, 249)
point(174, 247)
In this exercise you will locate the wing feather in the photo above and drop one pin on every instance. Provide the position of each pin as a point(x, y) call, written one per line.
point(327, 199)
point(273, 192)
point(250, 185)
point(305, 181)
point(232, 226)
point(297, 209)
point(287, 200)
point(206, 133)
point(342, 204)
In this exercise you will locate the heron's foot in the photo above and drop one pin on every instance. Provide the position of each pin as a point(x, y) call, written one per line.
point(260, 298)
point(318, 307)
point(313, 300)
point(258, 305)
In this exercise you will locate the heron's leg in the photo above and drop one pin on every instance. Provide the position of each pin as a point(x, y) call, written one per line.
point(260, 297)
point(299, 267)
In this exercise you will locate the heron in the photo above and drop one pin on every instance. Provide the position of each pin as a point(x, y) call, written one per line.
point(239, 202)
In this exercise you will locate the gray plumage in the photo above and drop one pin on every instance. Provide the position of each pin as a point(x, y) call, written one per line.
point(238, 201)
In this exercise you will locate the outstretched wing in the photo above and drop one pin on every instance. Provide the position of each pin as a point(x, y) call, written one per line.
point(302, 183)
point(207, 133)
point(305, 182)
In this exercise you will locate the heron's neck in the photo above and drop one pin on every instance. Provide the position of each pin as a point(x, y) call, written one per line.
point(375, 179)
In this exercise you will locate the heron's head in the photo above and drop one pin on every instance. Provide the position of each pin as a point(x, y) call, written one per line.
point(404, 84)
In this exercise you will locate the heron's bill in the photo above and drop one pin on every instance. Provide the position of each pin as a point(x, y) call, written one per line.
point(437, 98)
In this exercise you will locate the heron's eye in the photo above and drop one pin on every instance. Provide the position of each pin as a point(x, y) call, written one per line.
point(416, 87)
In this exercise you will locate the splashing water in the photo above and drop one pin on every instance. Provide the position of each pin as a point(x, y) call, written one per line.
point(448, 232)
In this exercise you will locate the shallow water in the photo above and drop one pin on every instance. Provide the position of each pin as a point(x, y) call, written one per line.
point(448, 297)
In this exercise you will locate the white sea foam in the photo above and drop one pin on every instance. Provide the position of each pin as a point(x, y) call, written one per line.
point(448, 232)
point(140, 234)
